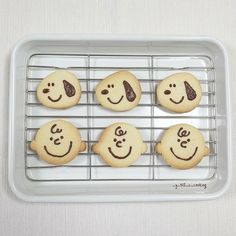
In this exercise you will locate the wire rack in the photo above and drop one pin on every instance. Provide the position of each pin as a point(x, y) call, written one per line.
point(91, 118)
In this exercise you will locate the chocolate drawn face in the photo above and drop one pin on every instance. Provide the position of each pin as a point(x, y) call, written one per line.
point(60, 89)
point(190, 93)
point(182, 145)
point(180, 92)
point(120, 91)
point(183, 138)
point(117, 145)
point(57, 142)
point(119, 140)
point(57, 138)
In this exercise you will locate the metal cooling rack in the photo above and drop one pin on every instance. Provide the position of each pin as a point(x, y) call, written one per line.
point(90, 70)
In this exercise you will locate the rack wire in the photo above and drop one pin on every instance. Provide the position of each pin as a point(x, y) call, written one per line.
point(90, 69)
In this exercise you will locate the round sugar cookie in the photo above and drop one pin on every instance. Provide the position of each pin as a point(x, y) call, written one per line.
point(57, 142)
point(120, 91)
point(60, 89)
point(180, 92)
point(120, 145)
point(182, 146)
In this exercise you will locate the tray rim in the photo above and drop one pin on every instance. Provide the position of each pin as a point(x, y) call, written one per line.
point(115, 198)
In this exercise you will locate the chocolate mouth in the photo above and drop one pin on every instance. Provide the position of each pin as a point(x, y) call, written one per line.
point(115, 102)
point(181, 100)
point(59, 156)
point(120, 157)
point(55, 100)
point(184, 159)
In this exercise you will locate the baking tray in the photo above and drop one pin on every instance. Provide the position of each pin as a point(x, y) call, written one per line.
point(87, 178)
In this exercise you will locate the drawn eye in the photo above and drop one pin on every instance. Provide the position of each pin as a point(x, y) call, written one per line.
point(178, 140)
point(108, 85)
point(114, 139)
point(61, 137)
point(112, 85)
point(174, 85)
point(123, 139)
point(188, 140)
point(170, 85)
point(52, 84)
point(51, 138)
point(49, 84)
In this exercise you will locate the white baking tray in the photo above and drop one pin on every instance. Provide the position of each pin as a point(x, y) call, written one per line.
point(87, 178)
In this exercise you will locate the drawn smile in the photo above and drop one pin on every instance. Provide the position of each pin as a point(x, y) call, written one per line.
point(184, 159)
point(59, 156)
point(120, 157)
point(181, 100)
point(55, 100)
point(115, 102)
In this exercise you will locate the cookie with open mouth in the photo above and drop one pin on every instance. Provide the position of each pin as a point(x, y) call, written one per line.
point(120, 91)
point(180, 92)
point(58, 142)
point(120, 145)
point(182, 146)
point(60, 89)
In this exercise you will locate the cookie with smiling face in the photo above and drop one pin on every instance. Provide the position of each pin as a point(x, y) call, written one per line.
point(182, 146)
point(120, 145)
point(57, 142)
point(60, 89)
point(180, 92)
point(120, 91)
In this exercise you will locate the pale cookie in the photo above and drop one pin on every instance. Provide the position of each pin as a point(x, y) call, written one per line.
point(120, 145)
point(120, 91)
point(182, 146)
point(57, 142)
point(60, 89)
point(180, 92)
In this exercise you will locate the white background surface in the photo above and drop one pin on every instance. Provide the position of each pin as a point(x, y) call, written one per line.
point(215, 18)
